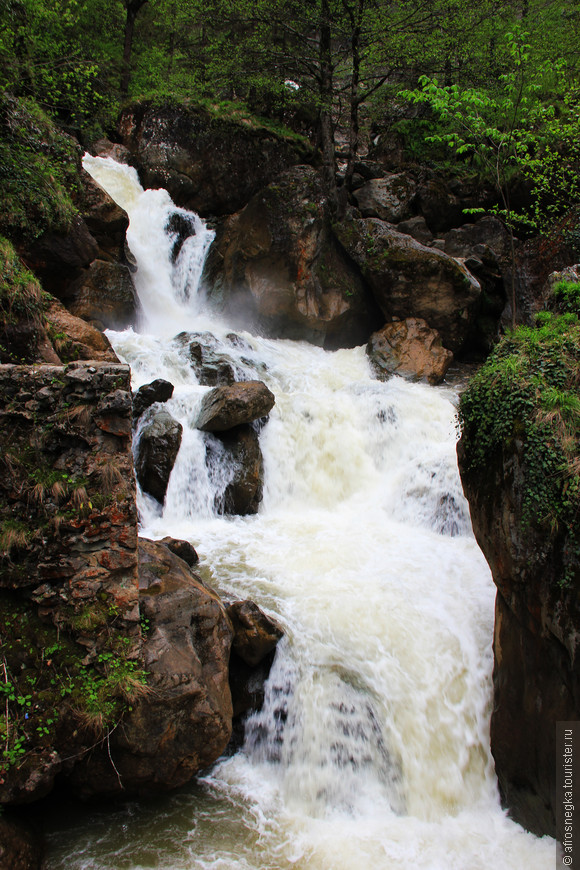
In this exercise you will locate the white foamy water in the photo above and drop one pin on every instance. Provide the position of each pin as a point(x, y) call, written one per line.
point(372, 748)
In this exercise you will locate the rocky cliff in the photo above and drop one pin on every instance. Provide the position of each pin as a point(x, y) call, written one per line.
point(518, 458)
point(115, 672)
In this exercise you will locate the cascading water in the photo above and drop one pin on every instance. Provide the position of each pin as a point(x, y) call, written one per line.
point(371, 750)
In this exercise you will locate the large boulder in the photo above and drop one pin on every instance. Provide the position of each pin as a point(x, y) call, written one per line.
point(104, 295)
point(209, 164)
point(241, 455)
point(182, 722)
point(75, 339)
point(156, 451)
point(409, 348)
point(411, 280)
point(277, 266)
point(390, 198)
point(256, 636)
point(225, 407)
point(158, 390)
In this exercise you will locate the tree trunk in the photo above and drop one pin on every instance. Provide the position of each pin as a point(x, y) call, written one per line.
point(132, 7)
point(326, 131)
point(353, 131)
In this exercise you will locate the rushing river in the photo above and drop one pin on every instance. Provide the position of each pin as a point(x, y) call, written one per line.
point(372, 749)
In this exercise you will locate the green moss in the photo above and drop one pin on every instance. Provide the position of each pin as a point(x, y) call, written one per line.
point(23, 307)
point(566, 297)
point(529, 390)
point(39, 168)
point(46, 685)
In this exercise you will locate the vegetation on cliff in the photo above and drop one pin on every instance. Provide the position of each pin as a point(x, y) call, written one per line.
point(528, 394)
point(39, 168)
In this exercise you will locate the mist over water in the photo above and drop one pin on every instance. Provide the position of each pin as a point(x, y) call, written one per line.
point(372, 748)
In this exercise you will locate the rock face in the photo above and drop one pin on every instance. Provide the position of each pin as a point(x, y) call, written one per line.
point(228, 406)
point(277, 266)
point(59, 259)
point(211, 365)
point(107, 222)
point(183, 722)
point(104, 295)
point(210, 165)
point(411, 349)
point(255, 634)
point(157, 449)
point(68, 554)
point(537, 629)
point(410, 280)
point(20, 847)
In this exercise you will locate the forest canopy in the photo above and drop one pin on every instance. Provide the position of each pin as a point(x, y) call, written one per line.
point(492, 83)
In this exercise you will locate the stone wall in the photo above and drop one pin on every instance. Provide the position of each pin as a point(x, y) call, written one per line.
point(68, 519)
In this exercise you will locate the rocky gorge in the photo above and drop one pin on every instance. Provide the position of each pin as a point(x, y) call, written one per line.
point(403, 274)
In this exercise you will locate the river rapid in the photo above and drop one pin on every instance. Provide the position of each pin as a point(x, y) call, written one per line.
point(372, 748)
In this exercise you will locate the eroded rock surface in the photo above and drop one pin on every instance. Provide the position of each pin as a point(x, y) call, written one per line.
point(411, 280)
point(210, 165)
point(536, 679)
point(277, 266)
point(411, 349)
point(182, 721)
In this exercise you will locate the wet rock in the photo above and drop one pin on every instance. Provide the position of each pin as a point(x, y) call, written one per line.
point(180, 226)
point(183, 549)
point(182, 723)
point(277, 267)
point(411, 349)
point(74, 338)
point(106, 148)
point(107, 222)
point(58, 259)
point(210, 165)
point(20, 845)
point(104, 295)
point(156, 452)
point(390, 198)
point(228, 406)
point(255, 634)
point(536, 681)
point(242, 457)
point(417, 228)
point(410, 280)
point(255, 639)
point(158, 390)
point(211, 368)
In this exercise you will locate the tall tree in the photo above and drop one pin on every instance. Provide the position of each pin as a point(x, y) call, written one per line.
point(132, 9)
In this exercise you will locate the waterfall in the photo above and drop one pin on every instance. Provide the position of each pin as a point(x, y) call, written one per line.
point(372, 747)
